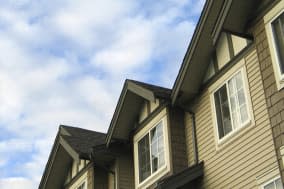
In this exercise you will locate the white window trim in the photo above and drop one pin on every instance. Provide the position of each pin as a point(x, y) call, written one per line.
point(239, 66)
point(267, 177)
point(271, 180)
point(268, 19)
point(80, 181)
point(162, 116)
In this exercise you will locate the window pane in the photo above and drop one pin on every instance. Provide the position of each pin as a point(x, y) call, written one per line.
point(244, 113)
point(144, 158)
point(157, 147)
point(238, 101)
point(278, 30)
point(223, 112)
point(269, 186)
point(278, 184)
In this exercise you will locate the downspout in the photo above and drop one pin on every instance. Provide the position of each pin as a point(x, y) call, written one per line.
point(194, 137)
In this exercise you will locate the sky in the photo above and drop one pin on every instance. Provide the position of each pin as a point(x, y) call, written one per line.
point(65, 62)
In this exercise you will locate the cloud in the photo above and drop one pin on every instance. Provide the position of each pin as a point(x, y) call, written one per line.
point(64, 62)
point(17, 182)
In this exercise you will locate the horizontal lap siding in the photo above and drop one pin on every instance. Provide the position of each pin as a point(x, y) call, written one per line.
point(126, 172)
point(248, 154)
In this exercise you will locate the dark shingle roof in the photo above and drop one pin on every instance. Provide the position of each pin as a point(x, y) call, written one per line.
point(82, 140)
point(160, 92)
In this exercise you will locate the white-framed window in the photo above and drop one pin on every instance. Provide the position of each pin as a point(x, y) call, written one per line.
point(231, 105)
point(81, 182)
point(82, 185)
point(274, 24)
point(151, 151)
point(275, 183)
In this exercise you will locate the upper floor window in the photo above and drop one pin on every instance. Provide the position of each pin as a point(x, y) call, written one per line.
point(151, 151)
point(231, 105)
point(274, 21)
point(273, 184)
point(278, 31)
point(82, 186)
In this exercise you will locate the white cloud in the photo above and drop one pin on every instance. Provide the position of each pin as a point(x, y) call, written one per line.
point(17, 182)
point(64, 62)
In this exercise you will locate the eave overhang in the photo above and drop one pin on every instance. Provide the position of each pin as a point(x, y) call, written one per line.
point(183, 179)
point(57, 167)
point(127, 110)
point(217, 16)
point(102, 156)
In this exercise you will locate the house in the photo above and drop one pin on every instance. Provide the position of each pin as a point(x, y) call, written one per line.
point(145, 118)
point(70, 162)
point(234, 85)
point(222, 123)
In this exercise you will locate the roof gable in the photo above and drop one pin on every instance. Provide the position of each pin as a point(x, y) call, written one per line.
point(71, 143)
point(131, 99)
point(217, 16)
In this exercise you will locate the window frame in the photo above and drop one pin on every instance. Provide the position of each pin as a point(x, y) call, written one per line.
point(270, 181)
point(238, 67)
point(271, 16)
point(226, 83)
point(81, 183)
point(161, 117)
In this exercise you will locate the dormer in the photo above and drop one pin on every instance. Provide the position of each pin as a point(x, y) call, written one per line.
point(145, 119)
point(70, 164)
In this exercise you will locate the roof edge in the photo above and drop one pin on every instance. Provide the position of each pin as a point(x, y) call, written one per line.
point(191, 47)
point(69, 149)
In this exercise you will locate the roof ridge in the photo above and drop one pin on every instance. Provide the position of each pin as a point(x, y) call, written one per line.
point(148, 84)
point(72, 127)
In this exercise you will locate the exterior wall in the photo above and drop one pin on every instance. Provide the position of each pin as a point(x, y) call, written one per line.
point(249, 155)
point(84, 175)
point(100, 178)
point(274, 98)
point(111, 176)
point(125, 172)
point(90, 177)
point(177, 137)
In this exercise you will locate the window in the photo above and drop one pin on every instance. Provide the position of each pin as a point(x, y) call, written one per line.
point(151, 152)
point(231, 105)
point(274, 24)
point(273, 184)
point(278, 34)
point(82, 186)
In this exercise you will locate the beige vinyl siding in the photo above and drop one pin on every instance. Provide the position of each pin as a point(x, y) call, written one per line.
point(238, 162)
point(125, 172)
point(111, 177)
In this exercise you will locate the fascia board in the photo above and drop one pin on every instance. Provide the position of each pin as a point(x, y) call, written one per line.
point(190, 50)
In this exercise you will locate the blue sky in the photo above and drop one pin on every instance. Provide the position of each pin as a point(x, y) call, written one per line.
point(64, 62)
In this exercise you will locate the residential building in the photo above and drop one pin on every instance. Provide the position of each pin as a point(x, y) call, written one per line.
point(233, 84)
point(70, 164)
point(222, 124)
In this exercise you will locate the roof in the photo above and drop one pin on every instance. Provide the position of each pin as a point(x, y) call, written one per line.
point(132, 97)
point(71, 143)
point(160, 92)
point(82, 140)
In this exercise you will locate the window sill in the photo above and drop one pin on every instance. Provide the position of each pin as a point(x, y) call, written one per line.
point(154, 177)
point(233, 136)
